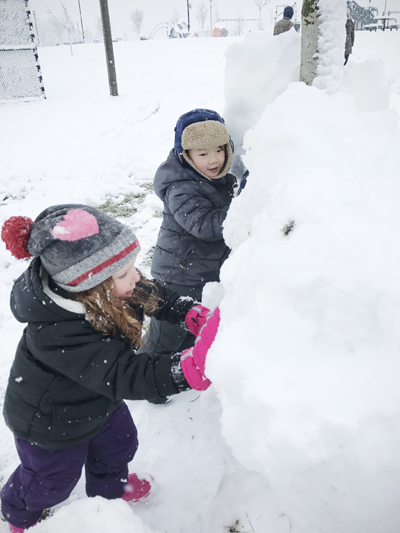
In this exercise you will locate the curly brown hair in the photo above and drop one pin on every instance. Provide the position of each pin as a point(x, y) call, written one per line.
point(107, 312)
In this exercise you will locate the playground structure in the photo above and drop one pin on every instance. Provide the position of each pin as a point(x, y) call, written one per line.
point(173, 31)
point(222, 28)
point(382, 23)
point(368, 18)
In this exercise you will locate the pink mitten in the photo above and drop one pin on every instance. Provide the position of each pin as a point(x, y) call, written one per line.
point(192, 374)
point(196, 318)
point(193, 361)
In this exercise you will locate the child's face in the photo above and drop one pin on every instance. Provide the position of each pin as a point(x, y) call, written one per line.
point(209, 162)
point(125, 280)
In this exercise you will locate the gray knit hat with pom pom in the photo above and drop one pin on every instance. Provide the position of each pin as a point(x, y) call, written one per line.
point(78, 245)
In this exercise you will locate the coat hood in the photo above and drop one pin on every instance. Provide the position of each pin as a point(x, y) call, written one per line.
point(32, 301)
point(201, 129)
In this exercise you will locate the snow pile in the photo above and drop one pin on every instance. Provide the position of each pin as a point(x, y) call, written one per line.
point(95, 514)
point(307, 361)
point(331, 44)
point(258, 69)
point(367, 82)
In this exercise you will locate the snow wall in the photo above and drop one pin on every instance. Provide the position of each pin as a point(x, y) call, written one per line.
point(306, 363)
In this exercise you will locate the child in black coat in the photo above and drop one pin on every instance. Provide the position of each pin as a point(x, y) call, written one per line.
point(84, 302)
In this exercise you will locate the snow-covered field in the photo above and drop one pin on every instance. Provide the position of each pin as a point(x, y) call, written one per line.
point(300, 430)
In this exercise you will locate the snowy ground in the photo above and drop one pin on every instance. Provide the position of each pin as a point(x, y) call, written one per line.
point(81, 145)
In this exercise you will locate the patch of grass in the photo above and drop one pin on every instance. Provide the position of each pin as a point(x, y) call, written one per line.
point(122, 208)
point(10, 198)
point(146, 262)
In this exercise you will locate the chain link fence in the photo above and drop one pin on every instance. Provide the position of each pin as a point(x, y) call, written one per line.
point(20, 74)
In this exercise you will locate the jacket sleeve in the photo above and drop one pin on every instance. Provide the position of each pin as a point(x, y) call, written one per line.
point(173, 308)
point(107, 365)
point(195, 212)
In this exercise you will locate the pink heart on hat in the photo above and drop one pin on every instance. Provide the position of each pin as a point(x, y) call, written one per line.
point(77, 224)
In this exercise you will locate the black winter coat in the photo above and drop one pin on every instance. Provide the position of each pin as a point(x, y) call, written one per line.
point(67, 378)
point(190, 247)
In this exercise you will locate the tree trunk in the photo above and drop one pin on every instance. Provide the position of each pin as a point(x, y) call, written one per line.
point(309, 40)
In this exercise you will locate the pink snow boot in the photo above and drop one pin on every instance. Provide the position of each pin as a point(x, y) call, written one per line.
point(136, 489)
point(14, 529)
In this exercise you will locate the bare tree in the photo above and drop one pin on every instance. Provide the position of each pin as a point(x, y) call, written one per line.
point(98, 28)
point(88, 35)
point(56, 29)
point(260, 4)
point(136, 17)
point(65, 21)
point(175, 16)
point(309, 40)
point(201, 14)
point(239, 24)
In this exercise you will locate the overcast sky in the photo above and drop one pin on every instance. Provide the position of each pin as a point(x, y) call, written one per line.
point(156, 11)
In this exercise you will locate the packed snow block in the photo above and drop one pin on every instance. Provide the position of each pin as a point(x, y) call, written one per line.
point(367, 82)
point(20, 74)
point(258, 69)
point(306, 361)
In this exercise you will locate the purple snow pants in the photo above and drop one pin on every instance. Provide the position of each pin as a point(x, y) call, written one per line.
point(46, 478)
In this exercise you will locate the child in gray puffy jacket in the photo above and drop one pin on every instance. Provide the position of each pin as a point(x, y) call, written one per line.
point(196, 189)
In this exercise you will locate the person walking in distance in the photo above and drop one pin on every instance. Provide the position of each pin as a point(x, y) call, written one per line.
point(350, 36)
point(285, 24)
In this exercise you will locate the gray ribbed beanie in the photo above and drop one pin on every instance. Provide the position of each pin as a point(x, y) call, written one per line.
point(79, 246)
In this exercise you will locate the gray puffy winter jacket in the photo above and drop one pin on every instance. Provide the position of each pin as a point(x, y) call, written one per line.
point(190, 248)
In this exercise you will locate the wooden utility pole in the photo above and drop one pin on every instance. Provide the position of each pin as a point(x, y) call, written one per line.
point(105, 20)
point(80, 14)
